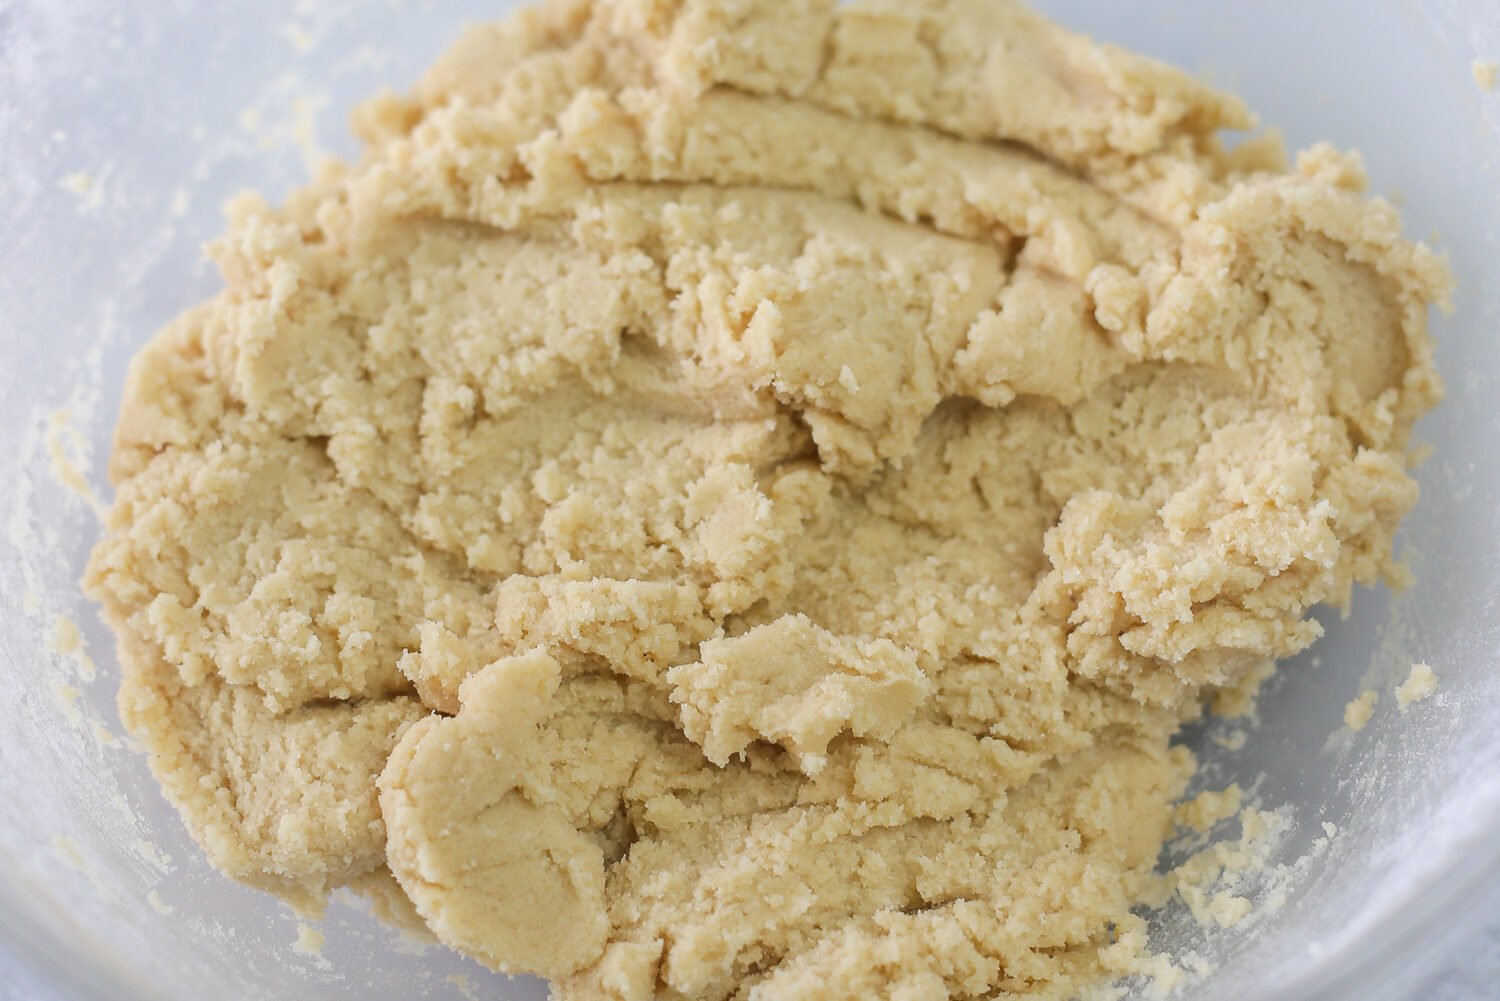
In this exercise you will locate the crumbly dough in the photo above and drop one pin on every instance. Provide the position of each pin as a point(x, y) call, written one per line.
point(1360, 709)
point(733, 498)
point(1203, 811)
point(1420, 684)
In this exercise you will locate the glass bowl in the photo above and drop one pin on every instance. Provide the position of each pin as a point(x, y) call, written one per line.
point(125, 126)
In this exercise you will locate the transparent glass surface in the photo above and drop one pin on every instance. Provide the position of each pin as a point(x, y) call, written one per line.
point(123, 127)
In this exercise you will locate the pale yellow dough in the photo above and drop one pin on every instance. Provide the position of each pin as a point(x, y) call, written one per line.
point(1420, 684)
point(733, 498)
point(1358, 711)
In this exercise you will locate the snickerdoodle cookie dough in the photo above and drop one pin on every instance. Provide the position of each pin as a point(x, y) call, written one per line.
point(733, 498)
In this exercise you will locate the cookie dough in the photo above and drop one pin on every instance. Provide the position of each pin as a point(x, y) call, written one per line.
point(734, 498)
point(1420, 684)
point(1359, 710)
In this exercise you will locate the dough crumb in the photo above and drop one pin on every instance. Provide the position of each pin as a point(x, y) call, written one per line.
point(1215, 882)
point(1486, 72)
point(1359, 710)
point(309, 941)
point(158, 905)
point(106, 737)
point(67, 640)
point(1208, 808)
point(1222, 908)
point(67, 696)
point(465, 985)
point(152, 855)
point(68, 452)
point(1419, 684)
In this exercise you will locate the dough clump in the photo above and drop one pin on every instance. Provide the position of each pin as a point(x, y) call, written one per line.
point(734, 498)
